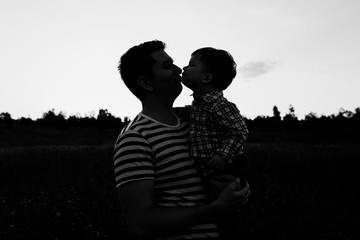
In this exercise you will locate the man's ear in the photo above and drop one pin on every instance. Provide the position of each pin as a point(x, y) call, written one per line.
point(145, 83)
point(208, 78)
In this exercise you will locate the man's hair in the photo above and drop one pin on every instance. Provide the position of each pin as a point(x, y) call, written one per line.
point(137, 62)
point(220, 64)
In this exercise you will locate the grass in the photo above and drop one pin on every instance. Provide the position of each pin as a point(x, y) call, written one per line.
point(65, 190)
point(59, 192)
point(303, 191)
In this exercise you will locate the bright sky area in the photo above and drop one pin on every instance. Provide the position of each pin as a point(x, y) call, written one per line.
point(63, 55)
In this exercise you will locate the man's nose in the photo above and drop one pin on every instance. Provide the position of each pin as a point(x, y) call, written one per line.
point(177, 69)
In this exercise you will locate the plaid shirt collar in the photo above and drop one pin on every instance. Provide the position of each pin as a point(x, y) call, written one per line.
point(208, 97)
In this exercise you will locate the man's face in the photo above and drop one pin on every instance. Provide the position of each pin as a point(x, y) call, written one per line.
point(167, 80)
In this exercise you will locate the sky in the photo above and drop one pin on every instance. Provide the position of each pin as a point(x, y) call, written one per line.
point(63, 55)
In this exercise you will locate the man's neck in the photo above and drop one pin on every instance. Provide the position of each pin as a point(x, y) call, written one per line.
point(160, 112)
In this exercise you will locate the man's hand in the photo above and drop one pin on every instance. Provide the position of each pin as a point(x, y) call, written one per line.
point(233, 195)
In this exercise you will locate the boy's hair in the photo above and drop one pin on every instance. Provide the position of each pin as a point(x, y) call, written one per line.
point(137, 62)
point(220, 64)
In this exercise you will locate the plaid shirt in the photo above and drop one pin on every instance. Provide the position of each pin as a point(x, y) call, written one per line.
point(216, 126)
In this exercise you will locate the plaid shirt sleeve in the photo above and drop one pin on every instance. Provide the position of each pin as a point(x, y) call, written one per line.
point(234, 129)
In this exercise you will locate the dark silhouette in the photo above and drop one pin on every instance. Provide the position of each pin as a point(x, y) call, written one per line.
point(160, 190)
point(341, 127)
point(6, 120)
point(276, 114)
point(300, 191)
point(221, 150)
point(104, 120)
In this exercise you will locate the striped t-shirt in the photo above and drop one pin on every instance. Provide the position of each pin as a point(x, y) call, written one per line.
point(148, 149)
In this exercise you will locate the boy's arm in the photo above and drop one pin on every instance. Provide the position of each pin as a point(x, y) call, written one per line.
point(234, 131)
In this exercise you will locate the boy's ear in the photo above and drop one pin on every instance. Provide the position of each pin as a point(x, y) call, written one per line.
point(145, 83)
point(208, 78)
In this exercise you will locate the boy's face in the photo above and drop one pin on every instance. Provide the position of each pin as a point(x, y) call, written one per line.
point(194, 74)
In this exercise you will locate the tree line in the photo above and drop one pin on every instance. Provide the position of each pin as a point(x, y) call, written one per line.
point(103, 120)
point(344, 120)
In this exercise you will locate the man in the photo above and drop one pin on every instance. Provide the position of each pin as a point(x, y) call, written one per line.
point(160, 190)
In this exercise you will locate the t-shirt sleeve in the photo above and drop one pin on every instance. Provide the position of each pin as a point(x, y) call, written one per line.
point(132, 158)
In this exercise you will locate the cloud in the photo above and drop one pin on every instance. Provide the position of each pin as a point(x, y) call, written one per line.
point(256, 69)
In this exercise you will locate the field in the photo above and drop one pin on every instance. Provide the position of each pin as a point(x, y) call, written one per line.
point(60, 185)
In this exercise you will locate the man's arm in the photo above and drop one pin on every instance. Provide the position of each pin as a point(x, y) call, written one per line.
point(144, 219)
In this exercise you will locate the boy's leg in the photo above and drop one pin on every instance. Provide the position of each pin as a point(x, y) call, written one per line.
point(241, 168)
point(230, 223)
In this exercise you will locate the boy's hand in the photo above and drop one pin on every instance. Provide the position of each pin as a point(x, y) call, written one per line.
point(216, 163)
